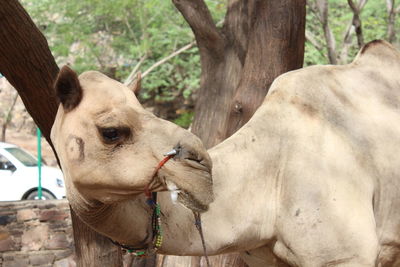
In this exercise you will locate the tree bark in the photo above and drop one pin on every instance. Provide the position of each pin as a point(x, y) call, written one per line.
point(27, 63)
point(357, 21)
point(91, 248)
point(8, 117)
point(259, 41)
point(322, 9)
point(391, 11)
point(275, 46)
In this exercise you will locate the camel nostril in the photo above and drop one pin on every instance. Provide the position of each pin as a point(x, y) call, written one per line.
point(178, 150)
point(190, 153)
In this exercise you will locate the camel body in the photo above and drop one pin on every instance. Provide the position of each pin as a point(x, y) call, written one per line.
point(311, 180)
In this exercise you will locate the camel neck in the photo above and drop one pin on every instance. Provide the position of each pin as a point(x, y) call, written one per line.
point(246, 188)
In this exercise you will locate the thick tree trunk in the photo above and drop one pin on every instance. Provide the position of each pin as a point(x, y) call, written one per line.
point(275, 45)
point(27, 63)
point(259, 41)
point(93, 249)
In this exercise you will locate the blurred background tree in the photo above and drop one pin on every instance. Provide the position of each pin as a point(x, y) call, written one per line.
point(117, 37)
point(375, 19)
point(122, 37)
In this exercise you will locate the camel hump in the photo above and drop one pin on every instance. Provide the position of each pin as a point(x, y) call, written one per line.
point(378, 52)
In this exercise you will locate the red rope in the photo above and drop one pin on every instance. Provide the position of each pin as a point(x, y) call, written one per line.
point(147, 191)
point(156, 223)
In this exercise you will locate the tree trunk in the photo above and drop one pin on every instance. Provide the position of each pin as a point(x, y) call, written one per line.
point(27, 63)
point(7, 118)
point(259, 41)
point(391, 20)
point(91, 248)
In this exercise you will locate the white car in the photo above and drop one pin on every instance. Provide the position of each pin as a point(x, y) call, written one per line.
point(19, 176)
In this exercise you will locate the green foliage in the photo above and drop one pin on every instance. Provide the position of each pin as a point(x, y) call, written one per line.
point(374, 19)
point(112, 36)
point(374, 26)
point(184, 120)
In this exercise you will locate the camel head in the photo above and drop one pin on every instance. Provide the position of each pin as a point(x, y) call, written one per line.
point(109, 145)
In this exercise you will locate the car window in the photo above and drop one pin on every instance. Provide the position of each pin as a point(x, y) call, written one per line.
point(22, 156)
point(5, 164)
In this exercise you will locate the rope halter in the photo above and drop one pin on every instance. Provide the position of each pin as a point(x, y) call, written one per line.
point(151, 200)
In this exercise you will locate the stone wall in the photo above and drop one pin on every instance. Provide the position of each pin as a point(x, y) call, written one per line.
point(39, 234)
point(36, 233)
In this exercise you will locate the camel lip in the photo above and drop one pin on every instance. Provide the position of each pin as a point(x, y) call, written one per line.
point(184, 197)
point(197, 164)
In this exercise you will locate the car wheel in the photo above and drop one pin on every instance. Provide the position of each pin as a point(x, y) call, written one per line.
point(34, 195)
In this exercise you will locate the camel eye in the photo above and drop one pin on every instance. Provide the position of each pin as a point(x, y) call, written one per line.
point(110, 134)
point(114, 135)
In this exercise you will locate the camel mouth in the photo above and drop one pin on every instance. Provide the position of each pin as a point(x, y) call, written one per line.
point(189, 182)
point(185, 198)
point(200, 164)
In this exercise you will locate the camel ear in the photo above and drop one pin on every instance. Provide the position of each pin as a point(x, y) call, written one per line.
point(136, 85)
point(68, 89)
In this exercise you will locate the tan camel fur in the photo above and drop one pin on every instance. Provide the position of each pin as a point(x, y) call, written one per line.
point(313, 179)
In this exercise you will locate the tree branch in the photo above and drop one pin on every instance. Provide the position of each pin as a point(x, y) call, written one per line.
point(347, 40)
point(128, 25)
point(197, 14)
point(132, 75)
point(314, 9)
point(313, 40)
point(389, 5)
point(162, 61)
point(357, 21)
point(322, 6)
point(397, 9)
point(391, 11)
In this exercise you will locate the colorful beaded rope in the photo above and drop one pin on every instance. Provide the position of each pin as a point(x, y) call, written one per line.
point(156, 219)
